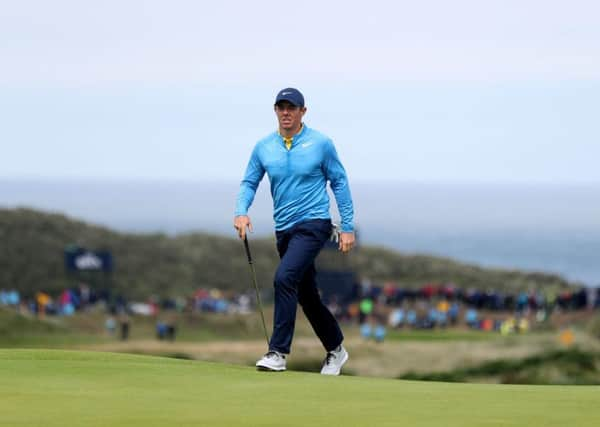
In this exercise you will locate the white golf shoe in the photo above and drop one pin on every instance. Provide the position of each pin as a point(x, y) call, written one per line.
point(272, 361)
point(334, 361)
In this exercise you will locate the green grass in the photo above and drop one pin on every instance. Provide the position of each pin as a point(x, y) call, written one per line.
point(62, 388)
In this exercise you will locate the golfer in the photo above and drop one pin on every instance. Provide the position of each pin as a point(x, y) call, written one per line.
point(299, 161)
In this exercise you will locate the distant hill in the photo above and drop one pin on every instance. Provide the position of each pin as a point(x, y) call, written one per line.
point(33, 244)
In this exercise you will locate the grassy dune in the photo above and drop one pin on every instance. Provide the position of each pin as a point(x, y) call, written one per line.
point(157, 264)
point(58, 388)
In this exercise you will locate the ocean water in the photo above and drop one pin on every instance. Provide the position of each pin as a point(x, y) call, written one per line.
point(531, 227)
point(573, 254)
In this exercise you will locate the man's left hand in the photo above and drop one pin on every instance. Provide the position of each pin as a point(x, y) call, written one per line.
point(346, 241)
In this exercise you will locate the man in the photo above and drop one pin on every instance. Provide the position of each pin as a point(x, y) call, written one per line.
point(299, 161)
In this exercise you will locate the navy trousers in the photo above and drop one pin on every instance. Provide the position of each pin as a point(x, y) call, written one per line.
point(295, 283)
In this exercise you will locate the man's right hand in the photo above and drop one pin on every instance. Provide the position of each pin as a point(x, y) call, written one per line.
point(240, 223)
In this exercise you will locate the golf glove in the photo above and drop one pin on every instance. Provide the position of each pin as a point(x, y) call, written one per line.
point(335, 233)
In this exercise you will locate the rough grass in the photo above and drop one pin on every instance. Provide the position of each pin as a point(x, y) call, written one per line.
point(58, 388)
point(17, 330)
point(572, 366)
point(440, 335)
point(240, 340)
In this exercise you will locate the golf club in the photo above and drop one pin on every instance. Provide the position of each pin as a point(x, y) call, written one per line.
point(253, 271)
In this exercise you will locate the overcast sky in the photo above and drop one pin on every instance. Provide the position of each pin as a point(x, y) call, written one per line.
point(464, 91)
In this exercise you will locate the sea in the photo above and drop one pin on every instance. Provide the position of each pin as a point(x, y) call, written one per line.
point(538, 227)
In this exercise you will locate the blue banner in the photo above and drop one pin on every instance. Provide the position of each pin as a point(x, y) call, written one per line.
point(80, 259)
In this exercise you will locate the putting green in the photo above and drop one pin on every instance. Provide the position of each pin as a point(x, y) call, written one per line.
point(66, 388)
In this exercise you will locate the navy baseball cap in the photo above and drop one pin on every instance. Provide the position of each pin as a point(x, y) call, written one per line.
point(291, 95)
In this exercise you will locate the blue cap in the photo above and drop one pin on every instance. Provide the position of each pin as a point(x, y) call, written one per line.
point(291, 95)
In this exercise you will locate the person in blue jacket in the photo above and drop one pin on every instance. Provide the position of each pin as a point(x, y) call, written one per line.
point(299, 162)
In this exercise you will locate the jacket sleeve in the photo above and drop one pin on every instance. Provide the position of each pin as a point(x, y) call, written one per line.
point(254, 174)
point(336, 175)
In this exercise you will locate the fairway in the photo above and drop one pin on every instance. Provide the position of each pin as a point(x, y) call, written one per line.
point(66, 388)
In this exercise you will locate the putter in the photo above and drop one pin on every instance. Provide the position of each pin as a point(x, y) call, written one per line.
point(253, 271)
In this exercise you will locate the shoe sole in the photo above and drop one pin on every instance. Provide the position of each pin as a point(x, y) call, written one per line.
point(264, 368)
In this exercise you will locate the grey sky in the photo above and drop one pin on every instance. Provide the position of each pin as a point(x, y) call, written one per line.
point(426, 91)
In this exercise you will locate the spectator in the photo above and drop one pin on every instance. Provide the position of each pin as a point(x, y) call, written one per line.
point(379, 333)
point(396, 318)
point(124, 325)
point(471, 318)
point(110, 325)
point(366, 308)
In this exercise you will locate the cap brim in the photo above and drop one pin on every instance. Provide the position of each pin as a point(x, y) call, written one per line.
point(291, 101)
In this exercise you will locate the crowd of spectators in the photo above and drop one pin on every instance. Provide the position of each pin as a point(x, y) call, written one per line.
point(376, 307)
point(119, 310)
point(64, 303)
point(81, 297)
point(567, 299)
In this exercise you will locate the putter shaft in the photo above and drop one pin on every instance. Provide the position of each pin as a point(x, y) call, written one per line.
point(253, 271)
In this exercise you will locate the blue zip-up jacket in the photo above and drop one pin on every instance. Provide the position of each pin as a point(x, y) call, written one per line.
point(298, 179)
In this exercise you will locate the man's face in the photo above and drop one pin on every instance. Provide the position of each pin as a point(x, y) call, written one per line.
point(289, 115)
